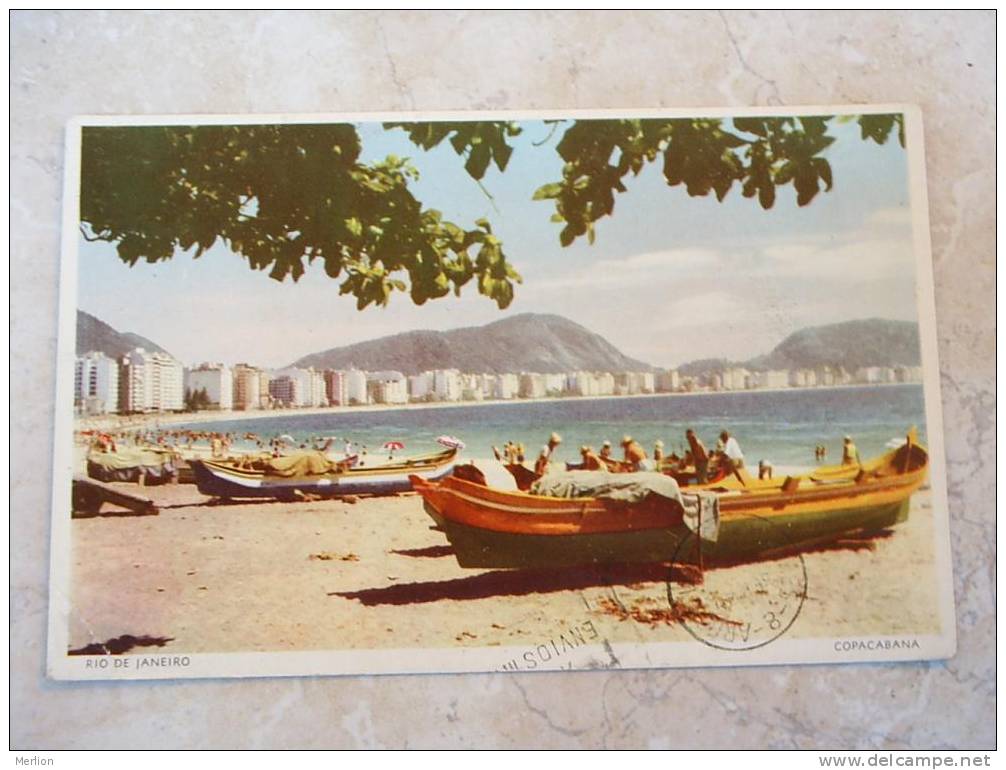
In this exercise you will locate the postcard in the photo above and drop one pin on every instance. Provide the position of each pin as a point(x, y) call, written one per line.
point(404, 393)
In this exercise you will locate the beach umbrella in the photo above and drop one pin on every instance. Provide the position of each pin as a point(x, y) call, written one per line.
point(451, 441)
point(394, 445)
point(287, 437)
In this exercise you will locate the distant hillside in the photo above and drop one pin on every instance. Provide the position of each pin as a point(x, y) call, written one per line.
point(95, 334)
point(851, 345)
point(528, 342)
point(695, 368)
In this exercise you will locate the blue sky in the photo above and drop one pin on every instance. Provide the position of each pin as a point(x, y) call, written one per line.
point(669, 279)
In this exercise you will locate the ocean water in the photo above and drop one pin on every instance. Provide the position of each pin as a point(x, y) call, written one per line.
point(780, 426)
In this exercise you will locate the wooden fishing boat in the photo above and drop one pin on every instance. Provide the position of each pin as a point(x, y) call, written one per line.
point(504, 529)
point(313, 472)
point(142, 465)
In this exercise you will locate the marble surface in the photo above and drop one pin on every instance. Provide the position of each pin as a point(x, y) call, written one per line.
point(63, 64)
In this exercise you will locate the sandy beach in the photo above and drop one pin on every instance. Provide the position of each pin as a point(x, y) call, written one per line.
point(333, 575)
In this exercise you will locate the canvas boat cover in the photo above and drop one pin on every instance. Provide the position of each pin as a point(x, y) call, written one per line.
point(701, 510)
point(308, 463)
point(128, 463)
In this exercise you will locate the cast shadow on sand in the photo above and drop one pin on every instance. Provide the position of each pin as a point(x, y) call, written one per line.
point(513, 583)
point(111, 513)
point(430, 552)
point(542, 581)
point(121, 644)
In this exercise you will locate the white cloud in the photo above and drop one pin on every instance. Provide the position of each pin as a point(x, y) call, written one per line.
point(638, 269)
point(851, 261)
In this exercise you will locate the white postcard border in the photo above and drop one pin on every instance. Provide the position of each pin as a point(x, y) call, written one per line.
point(487, 659)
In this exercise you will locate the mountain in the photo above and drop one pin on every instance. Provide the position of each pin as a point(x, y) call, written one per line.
point(850, 344)
point(703, 365)
point(529, 342)
point(95, 334)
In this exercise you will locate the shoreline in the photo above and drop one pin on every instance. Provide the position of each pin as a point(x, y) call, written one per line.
point(123, 422)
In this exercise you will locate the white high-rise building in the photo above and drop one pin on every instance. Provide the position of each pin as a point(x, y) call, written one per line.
point(507, 386)
point(151, 382)
point(870, 374)
point(447, 384)
point(319, 393)
point(96, 383)
point(736, 378)
point(335, 387)
point(773, 378)
point(218, 381)
point(387, 387)
point(605, 384)
point(532, 385)
point(310, 389)
point(420, 386)
point(584, 384)
point(668, 381)
point(356, 386)
point(555, 384)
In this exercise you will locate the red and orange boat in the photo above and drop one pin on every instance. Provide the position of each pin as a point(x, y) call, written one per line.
point(512, 529)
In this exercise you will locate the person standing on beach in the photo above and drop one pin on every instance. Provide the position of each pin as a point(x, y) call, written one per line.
point(658, 452)
point(541, 464)
point(732, 450)
point(553, 441)
point(699, 455)
point(850, 455)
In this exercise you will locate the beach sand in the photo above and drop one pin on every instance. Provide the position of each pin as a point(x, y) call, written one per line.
point(332, 575)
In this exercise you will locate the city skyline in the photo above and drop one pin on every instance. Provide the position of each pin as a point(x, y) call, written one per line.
point(141, 381)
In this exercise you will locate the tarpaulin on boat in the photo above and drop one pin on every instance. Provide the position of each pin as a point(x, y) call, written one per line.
point(299, 464)
point(129, 463)
point(701, 511)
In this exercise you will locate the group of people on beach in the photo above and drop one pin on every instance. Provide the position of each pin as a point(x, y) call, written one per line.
point(220, 443)
point(850, 455)
point(727, 456)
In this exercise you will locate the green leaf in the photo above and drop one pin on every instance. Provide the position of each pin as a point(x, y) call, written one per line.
point(766, 195)
point(478, 161)
point(355, 226)
point(551, 190)
point(823, 169)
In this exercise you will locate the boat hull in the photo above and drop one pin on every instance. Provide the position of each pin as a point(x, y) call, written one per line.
point(492, 528)
point(225, 481)
point(742, 537)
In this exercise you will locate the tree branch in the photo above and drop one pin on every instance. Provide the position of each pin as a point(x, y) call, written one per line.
point(88, 238)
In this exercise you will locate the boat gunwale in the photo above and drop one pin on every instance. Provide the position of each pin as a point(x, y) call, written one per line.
point(420, 464)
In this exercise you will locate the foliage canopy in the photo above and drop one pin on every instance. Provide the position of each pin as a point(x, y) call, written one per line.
point(283, 195)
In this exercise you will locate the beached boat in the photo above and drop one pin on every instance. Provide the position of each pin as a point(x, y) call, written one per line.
point(144, 465)
point(312, 472)
point(495, 528)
